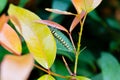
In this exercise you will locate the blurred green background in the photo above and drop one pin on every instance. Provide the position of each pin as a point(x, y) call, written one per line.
point(101, 37)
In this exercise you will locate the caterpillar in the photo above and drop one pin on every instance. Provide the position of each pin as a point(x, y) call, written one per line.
point(60, 39)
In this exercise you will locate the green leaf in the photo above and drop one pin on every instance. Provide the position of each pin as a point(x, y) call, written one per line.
point(22, 3)
point(64, 46)
point(3, 52)
point(2, 5)
point(46, 77)
point(109, 66)
point(80, 78)
point(86, 63)
point(59, 68)
point(98, 77)
point(113, 23)
point(95, 16)
point(38, 37)
point(87, 56)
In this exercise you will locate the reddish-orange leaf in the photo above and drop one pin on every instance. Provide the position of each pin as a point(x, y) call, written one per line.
point(76, 21)
point(53, 24)
point(16, 67)
point(77, 4)
point(57, 11)
point(3, 20)
point(86, 5)
point(10, 40)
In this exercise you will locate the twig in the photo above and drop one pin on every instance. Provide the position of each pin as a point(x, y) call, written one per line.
point(49, 72)
point(68, 68)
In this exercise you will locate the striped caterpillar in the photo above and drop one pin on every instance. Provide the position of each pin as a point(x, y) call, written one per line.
point(57, 36)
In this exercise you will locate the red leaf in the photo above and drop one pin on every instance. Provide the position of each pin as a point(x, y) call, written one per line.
point(53, 24)
point(76, 21)
point(16, 67)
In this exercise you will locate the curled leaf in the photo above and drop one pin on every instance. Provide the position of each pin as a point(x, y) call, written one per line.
point(46, 77)
point(38, 37)
point(53, 24)
point(8, 37)
point(76, 20)
point(57, 11)
point(86, 5)
point(16, 67)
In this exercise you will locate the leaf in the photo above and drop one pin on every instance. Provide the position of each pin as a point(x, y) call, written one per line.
point(64, 46)
point(59, 68)
point(3, 20)
point(95, 16)
point(87, 57)
point(57, 11)
point(114, 24)
point(38, 37)
point(46, 77)
point(16, 67)
point(97, 77)
point(109, 66)
point(2, 5)
point(61, 5)
point(8, 37)
point(86, 5)
point(77, 5)
point(53, 24)
point(80, 78)
point(96, 3)
point(10, 40)
point(3, 52)
point(22, 3)
point(76, 20)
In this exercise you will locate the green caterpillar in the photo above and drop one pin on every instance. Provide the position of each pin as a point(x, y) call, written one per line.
point(60, 39)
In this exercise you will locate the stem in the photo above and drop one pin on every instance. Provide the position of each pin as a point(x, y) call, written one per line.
point(68, 68)
point(80, 34)
point(49, 72)
point(79, 44)
point(72, 42)
point(76, 62)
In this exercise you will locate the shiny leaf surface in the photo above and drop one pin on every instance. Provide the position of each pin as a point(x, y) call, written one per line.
point(38, 37)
